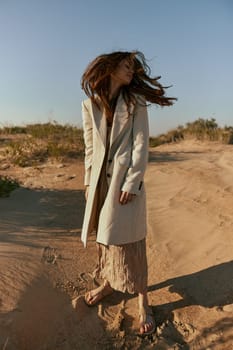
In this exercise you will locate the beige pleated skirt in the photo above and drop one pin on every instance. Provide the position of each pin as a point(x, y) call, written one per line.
point(124, 266)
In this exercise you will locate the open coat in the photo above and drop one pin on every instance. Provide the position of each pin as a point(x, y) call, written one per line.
point(126, 165)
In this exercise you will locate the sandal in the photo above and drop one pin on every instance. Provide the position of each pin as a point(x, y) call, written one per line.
point(146, 318)
point(92, 297)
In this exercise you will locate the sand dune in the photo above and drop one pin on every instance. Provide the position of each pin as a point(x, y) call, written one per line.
point(45, 270)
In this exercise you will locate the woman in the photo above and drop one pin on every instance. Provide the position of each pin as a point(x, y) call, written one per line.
point(116, 134)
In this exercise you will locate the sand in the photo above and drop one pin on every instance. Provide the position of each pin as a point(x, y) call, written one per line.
point(45, 270)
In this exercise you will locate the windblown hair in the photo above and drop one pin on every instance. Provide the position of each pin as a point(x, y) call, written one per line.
point(96, 80)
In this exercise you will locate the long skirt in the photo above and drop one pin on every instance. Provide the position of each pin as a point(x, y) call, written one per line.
point(123, 266)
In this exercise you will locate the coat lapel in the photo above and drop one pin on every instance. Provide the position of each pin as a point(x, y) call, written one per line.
point(101, 123)
point(120, 118)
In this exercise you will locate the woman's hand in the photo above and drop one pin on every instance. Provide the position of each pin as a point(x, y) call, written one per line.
point(126, 197)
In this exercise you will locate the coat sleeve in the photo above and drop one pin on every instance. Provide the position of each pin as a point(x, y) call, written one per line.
point(139, 158)
point(88, 140)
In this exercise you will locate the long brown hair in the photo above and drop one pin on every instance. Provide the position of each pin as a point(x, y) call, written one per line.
point(96, 80)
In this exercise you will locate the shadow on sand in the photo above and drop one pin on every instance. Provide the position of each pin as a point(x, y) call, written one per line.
point(212, 287)
point(165, 157)
point(29, 215)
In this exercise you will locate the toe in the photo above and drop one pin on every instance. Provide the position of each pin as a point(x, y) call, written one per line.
point(142, 330)
point(146, 328)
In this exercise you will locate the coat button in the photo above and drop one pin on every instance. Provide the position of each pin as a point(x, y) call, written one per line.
point(110, 160)
point(108, 175)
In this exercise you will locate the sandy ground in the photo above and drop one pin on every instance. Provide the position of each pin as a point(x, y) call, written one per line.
point(45, 270)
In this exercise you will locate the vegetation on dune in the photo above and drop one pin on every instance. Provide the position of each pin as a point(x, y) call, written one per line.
point(200, 129)
point(33, 144)
point(38, 142)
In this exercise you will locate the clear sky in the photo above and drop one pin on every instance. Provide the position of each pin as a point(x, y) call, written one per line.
point(45, 45)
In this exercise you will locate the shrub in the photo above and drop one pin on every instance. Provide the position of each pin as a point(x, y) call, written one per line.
point(201, 129)
point(7, 185)
point(41, 141)
point(13, 130)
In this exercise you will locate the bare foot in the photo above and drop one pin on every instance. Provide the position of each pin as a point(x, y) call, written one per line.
point(146, 318)
point(94, 296)
point(146, 321)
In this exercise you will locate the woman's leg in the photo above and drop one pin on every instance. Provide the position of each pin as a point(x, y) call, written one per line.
point(146, 319)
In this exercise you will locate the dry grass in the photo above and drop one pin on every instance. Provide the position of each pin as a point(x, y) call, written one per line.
point(201, 129)
point(34, 144)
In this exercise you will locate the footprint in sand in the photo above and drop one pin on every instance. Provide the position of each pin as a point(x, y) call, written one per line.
point(50, 255)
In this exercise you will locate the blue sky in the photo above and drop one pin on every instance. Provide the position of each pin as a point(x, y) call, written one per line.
point(45, 46)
